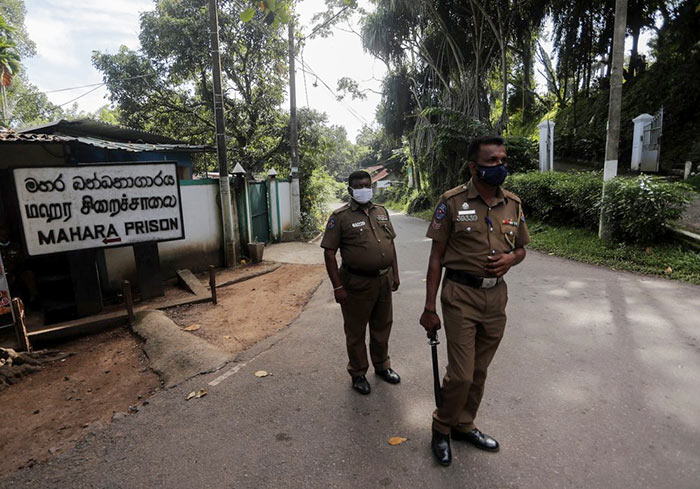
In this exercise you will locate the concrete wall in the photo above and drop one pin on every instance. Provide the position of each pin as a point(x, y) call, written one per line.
point(285, 205)
point(200, 248)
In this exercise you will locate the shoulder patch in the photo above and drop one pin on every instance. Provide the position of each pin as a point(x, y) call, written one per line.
point(331, 223)
point(440, 212)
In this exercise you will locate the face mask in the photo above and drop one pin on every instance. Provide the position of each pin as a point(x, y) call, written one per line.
point(492, 175)
point(362, 195)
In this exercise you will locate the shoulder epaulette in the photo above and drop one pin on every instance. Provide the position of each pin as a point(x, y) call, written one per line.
point(454, 191)
point(341, 209)
point(510, 195)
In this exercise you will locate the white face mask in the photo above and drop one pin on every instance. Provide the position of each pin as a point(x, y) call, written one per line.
point(362, 195)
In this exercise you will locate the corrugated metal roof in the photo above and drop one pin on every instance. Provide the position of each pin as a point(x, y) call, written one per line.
point(372, 169)
point(102, 130)
point(34, 138)
point(382, 174)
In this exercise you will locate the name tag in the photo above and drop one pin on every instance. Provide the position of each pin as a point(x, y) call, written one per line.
point(359, 224)
point(468, 212)
point(382, 218)
point(467, 218)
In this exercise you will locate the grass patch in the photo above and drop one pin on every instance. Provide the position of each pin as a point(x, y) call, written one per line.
point(584, 246)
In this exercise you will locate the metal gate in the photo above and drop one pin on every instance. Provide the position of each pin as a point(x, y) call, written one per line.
point(651, 146)
point(255, 213)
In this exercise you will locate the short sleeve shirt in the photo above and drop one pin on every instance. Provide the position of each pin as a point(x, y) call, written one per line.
point(474, 230)
point(365, 240)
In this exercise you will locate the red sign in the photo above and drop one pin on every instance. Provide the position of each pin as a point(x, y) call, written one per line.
point(5, 299)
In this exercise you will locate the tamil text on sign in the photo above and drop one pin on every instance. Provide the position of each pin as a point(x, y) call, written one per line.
point(95, 206)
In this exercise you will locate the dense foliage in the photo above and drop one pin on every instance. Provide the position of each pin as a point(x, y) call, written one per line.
point(639, 208)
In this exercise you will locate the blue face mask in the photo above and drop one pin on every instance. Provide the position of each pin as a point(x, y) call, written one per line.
point(492, 175)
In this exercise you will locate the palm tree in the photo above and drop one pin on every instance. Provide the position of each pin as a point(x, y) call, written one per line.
point(9, 62)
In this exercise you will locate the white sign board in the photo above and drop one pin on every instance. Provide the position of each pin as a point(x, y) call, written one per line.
point(95, 206)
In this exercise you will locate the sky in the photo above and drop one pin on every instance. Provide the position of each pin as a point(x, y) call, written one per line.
point(67, 31)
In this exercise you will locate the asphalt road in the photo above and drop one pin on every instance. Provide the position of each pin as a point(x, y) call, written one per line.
point(596, 385)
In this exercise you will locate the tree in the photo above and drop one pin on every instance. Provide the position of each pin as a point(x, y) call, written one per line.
point(13, 13)
point(167, 86)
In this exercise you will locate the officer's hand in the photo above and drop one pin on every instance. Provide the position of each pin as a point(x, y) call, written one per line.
point(499, 264)
point(430, 321)
point(395, 285)
point(341, 295)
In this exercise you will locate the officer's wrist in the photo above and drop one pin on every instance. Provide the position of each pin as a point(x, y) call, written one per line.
point(430, 310)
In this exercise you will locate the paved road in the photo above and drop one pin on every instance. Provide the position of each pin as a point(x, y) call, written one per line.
point(596, 385)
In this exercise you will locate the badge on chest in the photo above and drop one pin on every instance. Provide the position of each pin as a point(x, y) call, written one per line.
point(467, 215)
point(382, 218)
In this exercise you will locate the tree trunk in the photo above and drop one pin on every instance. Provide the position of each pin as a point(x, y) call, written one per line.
point(527, 77)
point(634, 54)
point(614, 106)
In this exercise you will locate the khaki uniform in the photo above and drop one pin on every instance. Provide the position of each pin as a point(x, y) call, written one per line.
point(366, 247)
point(474, 318)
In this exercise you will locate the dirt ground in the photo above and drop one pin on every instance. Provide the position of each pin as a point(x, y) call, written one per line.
point(252, 310)
point(48, 411)
point(108, 375)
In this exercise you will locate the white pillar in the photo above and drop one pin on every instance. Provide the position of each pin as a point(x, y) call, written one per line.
point(687, 170)
point(296, 204)
point(546, 145)
point(638, 139)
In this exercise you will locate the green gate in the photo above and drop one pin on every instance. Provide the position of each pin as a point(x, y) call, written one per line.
point(259, 217)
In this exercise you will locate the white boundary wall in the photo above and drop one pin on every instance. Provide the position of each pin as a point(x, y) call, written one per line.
point(200, 248)
point(285, 206)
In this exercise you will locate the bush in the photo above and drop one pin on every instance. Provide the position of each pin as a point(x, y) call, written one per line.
point(419, 203)
point(522, 154)
point(637, 209)
point(571, 199)
point(395, 194)
point(318, 190)
point(694, 182)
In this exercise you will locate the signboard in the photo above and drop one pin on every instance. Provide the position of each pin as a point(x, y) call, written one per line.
point(95, 206)
point(5, 299)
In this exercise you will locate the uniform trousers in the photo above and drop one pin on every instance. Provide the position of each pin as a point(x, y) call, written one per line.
point(368, 301)
point(474, 321)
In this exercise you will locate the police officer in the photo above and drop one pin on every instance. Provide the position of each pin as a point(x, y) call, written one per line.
point(363, 285)
point(479, 233)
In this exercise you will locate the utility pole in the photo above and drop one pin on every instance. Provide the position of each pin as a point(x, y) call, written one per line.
point(218, 96)
point(614, 105)
point(293, 136)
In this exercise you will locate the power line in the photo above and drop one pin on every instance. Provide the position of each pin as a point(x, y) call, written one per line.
point(81, 96)
point(353, 112)
point(319, 27)
point(98, 84)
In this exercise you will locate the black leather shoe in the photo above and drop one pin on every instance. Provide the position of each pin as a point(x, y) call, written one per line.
point(441, 448)
point(476, 438)
point(388, 375)
point(361, 385)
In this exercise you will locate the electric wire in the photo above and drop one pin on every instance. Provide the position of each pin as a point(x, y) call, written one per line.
point(353, 112)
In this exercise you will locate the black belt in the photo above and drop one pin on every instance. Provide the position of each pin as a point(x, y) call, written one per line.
point(366, 273)
point(470, 280)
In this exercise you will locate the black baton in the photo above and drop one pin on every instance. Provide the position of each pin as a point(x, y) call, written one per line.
point(436, 370)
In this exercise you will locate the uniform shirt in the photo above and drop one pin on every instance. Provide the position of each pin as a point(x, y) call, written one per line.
point(365, 241)
point(473, 230)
